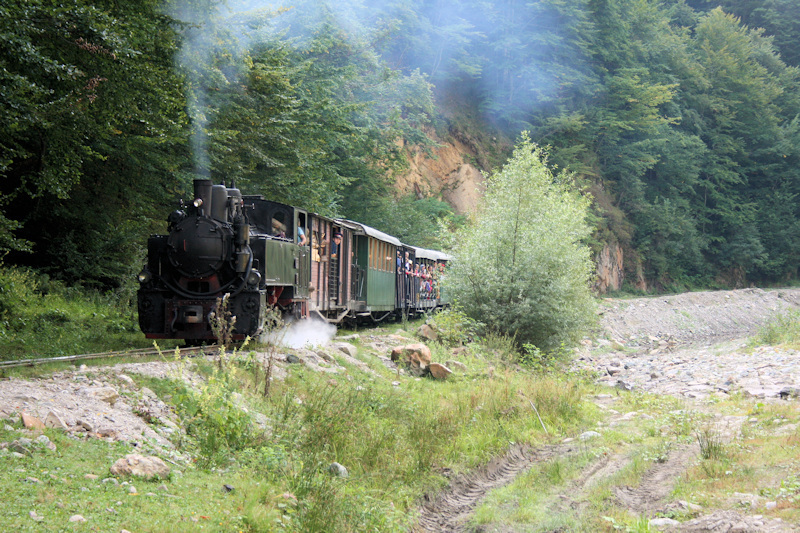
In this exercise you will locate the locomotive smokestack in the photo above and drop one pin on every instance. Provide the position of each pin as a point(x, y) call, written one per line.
point(202, 190)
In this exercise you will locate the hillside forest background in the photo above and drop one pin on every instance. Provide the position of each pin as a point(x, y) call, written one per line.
point(681, 119)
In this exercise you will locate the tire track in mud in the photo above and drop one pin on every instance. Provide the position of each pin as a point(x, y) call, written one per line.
point(449, 511)
point(657, 483)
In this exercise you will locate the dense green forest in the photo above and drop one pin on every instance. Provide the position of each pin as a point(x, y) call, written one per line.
point(680, 117)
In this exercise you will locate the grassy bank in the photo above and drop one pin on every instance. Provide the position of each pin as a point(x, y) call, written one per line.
point(40, 317)
point(399, 437)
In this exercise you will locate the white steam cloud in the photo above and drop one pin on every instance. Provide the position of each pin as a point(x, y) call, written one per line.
point(303, 334)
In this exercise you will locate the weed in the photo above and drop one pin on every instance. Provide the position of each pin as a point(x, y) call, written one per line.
point(712, 446)
point(781, 329)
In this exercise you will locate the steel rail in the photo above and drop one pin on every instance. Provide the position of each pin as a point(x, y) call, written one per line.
point(87, 356)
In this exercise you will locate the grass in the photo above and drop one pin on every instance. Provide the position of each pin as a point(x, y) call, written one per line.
point(397, 442)
point(43, 318)
point(782, 329)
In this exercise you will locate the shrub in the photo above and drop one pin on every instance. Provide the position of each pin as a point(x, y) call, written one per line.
point(455, 328)
point(522, 268)
point(17, 288)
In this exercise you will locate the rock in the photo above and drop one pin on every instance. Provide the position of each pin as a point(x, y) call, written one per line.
point(77, 518)
point(353, 337)
point(456, 366)
point(43, 440)
point(88, 426)
point(663, 522)
point(53, 420)
point(21, 445)
point(439, 371)
point(140, 466)
point(35, 516)
point(294, 360)
point(106, 394)
point(131, 489)
point(31, 422)
point(338, 470)
point(689, 506)
point(427, 332)
point(149, 394)
point(416, 357)
point(345, 347)
point(589, 435)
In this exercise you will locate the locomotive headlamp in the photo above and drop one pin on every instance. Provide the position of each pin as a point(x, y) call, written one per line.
point(197, 202)
point(144, 276)
point(253, 278)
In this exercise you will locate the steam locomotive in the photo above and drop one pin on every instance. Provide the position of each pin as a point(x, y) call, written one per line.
point(265, 254)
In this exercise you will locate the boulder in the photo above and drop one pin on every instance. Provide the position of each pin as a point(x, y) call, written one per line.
point(294, 360)
point(427, 332)
point(456, 366)
point(106, 394)
point(140, 466)
point(54, 421)
point(416, 357)
point(439, 371)
point(31, 422)
point(345, 347)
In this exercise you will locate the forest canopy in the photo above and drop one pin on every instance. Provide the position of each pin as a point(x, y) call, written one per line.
point(680, 116)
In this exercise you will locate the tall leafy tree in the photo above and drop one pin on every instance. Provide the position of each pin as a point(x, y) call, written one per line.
point(90, 102)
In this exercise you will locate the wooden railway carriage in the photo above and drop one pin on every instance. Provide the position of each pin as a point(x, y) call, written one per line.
point(373, 272)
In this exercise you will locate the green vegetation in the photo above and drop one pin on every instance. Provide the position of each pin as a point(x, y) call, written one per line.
point(41, 317)
point(396, 442)
point(679, 115)
point(522, 267)
point(784, 328)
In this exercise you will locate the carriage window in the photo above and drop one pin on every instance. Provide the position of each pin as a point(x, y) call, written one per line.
point(371, 253)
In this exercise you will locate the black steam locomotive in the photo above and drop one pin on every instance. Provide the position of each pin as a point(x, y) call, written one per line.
point(262, 254)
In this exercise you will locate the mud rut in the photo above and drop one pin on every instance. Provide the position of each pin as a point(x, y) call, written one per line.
point(449, 510)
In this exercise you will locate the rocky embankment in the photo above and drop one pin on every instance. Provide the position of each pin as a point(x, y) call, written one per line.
point(694, 345)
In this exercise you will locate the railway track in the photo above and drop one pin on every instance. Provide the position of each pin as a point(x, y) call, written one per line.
point(143, 352)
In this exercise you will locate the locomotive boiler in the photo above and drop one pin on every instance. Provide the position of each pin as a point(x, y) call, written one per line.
point(211, 249)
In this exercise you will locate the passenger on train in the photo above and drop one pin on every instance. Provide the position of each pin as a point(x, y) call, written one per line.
point(337, 241)
point(301, 236)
